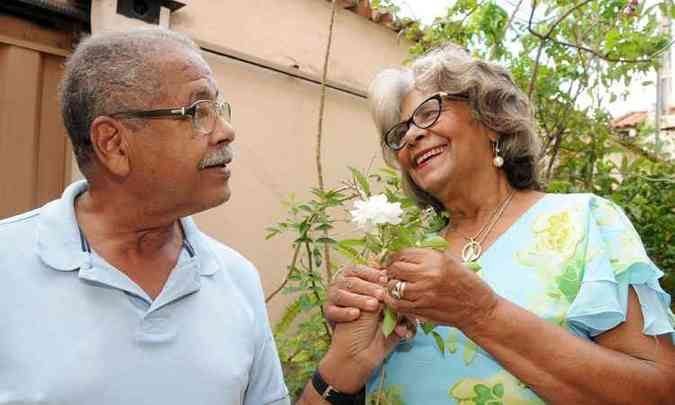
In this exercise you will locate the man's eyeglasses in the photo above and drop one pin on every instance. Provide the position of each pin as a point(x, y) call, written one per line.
point(425, 116)
point(203, 112)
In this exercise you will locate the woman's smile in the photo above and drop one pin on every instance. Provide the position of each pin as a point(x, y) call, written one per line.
point(427, 157)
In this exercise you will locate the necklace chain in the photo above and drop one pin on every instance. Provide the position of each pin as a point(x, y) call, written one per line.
point(472, 248)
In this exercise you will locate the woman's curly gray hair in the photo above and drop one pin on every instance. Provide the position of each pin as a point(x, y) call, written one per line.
point(495, 100)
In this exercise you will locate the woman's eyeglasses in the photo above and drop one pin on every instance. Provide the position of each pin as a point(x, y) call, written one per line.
point(425, 116)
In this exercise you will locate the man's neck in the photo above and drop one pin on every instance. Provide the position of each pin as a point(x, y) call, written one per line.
point(124, 224)
point(143, 246)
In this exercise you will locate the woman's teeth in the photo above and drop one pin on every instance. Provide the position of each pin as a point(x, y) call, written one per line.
point(429, 154)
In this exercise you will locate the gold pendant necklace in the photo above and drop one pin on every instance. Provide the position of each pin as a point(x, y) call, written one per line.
point(471, 251)
point(472, 248)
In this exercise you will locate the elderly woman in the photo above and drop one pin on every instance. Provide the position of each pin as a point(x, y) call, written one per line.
point(567, 308)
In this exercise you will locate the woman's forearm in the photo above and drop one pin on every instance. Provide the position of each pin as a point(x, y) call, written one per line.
point(565, 369)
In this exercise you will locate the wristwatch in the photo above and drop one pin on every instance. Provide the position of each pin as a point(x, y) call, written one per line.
point(333, 396)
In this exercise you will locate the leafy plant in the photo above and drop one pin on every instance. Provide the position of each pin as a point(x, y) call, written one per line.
point(302, 346)
point(314, 225)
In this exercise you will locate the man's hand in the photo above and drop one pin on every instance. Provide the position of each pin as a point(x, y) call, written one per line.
point(354, 289)
point(357, 349)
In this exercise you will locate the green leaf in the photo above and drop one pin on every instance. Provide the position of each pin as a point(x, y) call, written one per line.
point(451, 342)
point(474, 266)
point(323, 227)
point(352, 243)
point(434, 242)
point(372, 243)
point(569, 282)
point(361, 180)
point(349, 253)
point(389, 322)
point(326, 240)
point(427, 327)
point(469, 352)
point(483, 393)
point(439, 341)
point(498, 390)
point(290, 314)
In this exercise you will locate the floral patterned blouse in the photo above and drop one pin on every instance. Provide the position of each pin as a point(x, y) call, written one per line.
point(570, 260)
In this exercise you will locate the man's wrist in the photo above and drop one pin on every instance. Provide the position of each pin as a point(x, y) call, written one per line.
point(343, 375)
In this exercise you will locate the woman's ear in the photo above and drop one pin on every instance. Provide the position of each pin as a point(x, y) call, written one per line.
point(109, 141)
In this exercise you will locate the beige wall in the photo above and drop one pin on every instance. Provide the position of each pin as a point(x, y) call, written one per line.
point(294, 32)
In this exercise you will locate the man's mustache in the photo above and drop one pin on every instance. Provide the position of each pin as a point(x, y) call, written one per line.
point(218, 158)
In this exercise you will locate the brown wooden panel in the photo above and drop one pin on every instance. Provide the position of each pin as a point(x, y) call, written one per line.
point(52, 135)
point(20, 92)
point(39, 35)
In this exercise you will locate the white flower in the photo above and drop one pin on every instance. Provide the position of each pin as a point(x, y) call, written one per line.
point(376, 211)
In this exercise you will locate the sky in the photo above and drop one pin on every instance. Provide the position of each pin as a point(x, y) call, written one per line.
point(641, 97)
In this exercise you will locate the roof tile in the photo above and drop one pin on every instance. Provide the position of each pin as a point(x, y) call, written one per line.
point(363, 8)
point(629, 120)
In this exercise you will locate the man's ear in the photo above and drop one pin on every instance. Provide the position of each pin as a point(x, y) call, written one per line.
point(109, 140)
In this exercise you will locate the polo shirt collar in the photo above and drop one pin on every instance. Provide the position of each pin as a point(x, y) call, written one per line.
point(60, 244)
point(208, 261)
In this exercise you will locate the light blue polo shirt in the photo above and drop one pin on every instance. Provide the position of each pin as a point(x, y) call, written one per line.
point(74, 330)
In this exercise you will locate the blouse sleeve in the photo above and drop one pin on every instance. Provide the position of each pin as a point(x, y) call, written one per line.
point(616, 259)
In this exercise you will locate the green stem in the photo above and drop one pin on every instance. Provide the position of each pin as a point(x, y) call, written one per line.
point(310, 258)
point(298, 246)
point(380, 388)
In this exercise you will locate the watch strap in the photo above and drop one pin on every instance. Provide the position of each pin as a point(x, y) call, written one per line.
point(330, 394)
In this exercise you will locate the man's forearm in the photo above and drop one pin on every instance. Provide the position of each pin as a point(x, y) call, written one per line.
point(310, 396)
point(342, 375)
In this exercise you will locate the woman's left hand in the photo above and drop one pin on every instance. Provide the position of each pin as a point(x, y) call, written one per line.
point(438, 288)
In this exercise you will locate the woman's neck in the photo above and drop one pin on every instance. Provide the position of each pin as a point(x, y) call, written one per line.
point(475, 200)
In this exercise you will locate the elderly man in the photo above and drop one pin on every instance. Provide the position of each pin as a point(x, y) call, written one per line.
point(111, 295)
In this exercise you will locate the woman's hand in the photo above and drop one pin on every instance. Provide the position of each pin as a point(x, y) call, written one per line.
point(357, 290)
point(438, 288)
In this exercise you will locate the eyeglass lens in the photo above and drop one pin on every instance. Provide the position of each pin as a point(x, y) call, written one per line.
point(206, 113)
point(424, 117)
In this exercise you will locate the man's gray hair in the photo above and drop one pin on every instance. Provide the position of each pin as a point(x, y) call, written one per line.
point(496, 102)
point(112, 72)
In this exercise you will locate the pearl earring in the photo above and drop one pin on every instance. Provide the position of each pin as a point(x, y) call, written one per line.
point(498, 161)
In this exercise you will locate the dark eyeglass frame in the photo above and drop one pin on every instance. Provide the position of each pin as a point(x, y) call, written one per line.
point(221, 108)
point(411, 121)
